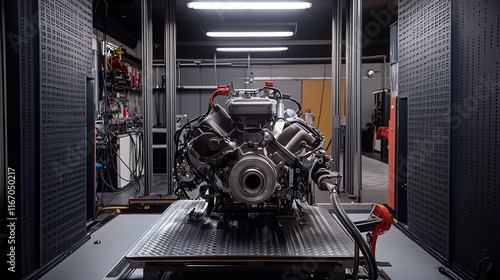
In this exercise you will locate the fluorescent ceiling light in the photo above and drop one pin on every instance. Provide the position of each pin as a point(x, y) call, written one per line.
point(258, 49)
point(274, 29)
point(238, 5)
point(251, 34)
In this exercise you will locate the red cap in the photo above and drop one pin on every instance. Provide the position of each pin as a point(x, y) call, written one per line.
point(269, 84)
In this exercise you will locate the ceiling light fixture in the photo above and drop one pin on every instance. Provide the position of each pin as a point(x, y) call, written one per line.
point(228, 30)
point(238, 5)
point(251, 34)
point(257, 49)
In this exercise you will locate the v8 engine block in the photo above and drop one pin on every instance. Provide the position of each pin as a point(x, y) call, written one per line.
point(252, 156)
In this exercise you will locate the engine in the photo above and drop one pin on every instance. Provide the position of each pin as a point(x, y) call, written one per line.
point(253, 155)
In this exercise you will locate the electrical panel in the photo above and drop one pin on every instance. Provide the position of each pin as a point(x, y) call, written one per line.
point(119, 127)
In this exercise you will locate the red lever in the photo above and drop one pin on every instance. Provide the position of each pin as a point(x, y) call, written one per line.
point(221, 90)
point(269, 84)
point(380, 211)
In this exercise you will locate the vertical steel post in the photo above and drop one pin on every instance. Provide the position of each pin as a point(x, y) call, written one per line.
point(147, 92)
point(347, 182)
point(353, 92)
point(170, 87)
point(247, 82)
point(336, 78)
point(95, 75)
point(215, 70)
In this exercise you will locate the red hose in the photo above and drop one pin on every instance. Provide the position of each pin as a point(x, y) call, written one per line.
point(221, 90)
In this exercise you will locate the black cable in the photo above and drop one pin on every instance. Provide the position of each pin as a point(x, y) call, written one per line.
point(178, 133)
point(109, 185)
point(299, 110)
point(353, 232)
point(136, 162)
point(101, 200)
point(108, 162)
point(328, 146)
point(118, 174)
point(136, 178)
point(322, 96)
point(177, 142)
point(140, 160)
point(355, 270)
point(105, 160)
point(478, 267)
point(275, 89)
point(137, 159)
point(104, 157)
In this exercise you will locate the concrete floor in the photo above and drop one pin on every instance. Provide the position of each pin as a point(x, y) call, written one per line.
point(374, 183)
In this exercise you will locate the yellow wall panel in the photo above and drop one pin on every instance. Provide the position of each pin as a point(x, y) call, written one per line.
point(317, 98)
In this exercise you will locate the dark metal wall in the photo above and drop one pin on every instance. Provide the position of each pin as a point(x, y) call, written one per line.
point(449, 67)
point(475, 131)
point(2, 122)
point(65, 63)
point(424, 78)
point(401, 187)
point(47, 58)
point(20, 137)
point(27, 44)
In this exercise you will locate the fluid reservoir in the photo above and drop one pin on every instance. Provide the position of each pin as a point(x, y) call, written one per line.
point(309, 118)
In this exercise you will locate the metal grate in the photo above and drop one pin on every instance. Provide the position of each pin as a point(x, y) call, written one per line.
point(475, 164)
point(249, 236)
point(27, 89)
point(424, 77)
point(65, 62)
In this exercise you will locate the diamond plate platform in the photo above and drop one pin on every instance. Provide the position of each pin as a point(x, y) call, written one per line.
point(175, 238)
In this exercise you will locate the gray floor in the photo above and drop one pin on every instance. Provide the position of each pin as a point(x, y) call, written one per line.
point(94, 261)
point(408, 261)
point(374, 183)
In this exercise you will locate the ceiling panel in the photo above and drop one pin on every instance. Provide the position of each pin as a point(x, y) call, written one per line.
point(312, 39)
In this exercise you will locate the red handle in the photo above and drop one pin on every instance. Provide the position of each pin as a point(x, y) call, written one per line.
point(381, 212)
point(383, 133)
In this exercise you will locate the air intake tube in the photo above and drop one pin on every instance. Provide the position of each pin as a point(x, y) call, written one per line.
point(323, 178)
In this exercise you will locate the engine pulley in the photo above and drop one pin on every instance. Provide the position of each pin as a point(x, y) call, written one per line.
point(252, 179)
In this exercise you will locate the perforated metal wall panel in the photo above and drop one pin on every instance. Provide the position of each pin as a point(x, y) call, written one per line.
point(65, 62)
point(475, 157)
point(28, 138)
point(424, 77)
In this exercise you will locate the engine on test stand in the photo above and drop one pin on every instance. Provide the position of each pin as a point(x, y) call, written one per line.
point(253, 156)
point(257, 156)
